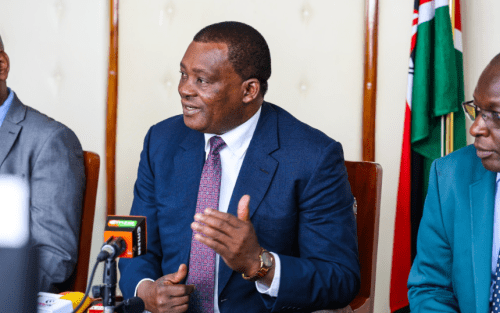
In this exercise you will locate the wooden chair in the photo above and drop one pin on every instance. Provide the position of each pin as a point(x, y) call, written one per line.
point(366, 186)
point(78, 280)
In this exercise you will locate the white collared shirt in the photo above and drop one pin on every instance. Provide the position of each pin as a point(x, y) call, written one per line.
point(232, 155)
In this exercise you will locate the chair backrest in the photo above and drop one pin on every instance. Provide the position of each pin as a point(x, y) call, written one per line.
point(366, 186)
point(78, 280)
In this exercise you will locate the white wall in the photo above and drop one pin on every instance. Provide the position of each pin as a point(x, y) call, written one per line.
point(58, 65)
point(394, 50)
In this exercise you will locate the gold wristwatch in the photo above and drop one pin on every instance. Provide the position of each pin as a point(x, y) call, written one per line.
point(266, 262)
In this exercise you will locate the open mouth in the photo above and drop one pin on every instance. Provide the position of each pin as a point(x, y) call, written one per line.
point(190, 110)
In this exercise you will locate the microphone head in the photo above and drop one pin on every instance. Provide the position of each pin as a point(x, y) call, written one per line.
point(132, 305)
point(114, 247)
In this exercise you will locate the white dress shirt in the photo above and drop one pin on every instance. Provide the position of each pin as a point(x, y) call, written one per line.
point(232, 155)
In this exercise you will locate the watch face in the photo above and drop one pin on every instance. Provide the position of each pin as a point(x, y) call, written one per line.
point(267, 259)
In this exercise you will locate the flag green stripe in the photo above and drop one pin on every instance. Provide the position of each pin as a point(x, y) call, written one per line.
point(435, 83)
point(446, 81)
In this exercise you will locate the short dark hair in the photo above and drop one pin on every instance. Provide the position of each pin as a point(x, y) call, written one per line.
point(248, 51)
point(1, 44)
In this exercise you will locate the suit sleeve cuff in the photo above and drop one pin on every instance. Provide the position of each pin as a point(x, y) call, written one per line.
point(275, 285)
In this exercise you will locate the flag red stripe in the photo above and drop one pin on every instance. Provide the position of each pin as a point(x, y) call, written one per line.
point(458, 16)
point(401, 254)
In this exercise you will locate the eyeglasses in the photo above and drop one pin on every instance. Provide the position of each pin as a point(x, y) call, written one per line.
point(491, 118)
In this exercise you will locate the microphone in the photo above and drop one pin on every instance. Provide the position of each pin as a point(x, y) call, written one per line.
point(125, 237)
point(112, 248)
point(132, 230)
point(132, 305)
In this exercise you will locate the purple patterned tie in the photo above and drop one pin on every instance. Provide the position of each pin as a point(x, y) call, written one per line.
point(202, 258)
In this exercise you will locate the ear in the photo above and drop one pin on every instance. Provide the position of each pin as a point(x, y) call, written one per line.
point(4, 66)
point(251, 90)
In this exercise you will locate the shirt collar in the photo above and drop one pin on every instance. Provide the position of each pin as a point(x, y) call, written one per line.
point(498, 177)
point(4, 108)
point(238, 139)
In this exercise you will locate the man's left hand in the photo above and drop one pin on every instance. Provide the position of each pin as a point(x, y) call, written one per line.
point(233, 238)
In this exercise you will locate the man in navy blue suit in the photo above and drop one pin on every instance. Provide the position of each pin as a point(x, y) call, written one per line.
point(284, 219)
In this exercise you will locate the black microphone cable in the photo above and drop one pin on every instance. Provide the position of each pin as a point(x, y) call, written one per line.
point(88, 288)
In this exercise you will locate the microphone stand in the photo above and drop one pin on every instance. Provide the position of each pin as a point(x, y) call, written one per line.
point(107, 291)
point(109, 280)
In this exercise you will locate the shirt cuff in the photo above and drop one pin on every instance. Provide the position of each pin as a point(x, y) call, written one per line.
point(136, 287)
point(275, 285)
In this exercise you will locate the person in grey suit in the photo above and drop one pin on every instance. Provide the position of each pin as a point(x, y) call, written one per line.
point(49, 157)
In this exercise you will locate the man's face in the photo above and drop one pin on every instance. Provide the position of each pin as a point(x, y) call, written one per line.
point(487, 139)
point(4, 73)
point(211, 91)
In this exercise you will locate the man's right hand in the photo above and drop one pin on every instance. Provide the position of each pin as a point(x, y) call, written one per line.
point(166, 294)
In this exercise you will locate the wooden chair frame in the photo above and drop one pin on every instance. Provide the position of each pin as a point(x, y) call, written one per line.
point(366, 185)
point(78, 280)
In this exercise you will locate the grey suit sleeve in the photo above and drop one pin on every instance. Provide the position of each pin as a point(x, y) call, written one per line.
point(57, 184)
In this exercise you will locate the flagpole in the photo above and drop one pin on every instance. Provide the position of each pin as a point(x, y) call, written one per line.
point(370, 80)
point(443, 137)
point(112, 108)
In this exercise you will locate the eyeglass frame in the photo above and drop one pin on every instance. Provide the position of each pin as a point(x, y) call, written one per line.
point(487, 115)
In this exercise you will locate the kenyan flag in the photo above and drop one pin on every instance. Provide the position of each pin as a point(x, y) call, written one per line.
point(435, 88)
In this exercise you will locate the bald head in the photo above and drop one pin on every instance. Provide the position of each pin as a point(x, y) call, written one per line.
point(492, 70)
point(489, 81)
point(487, 99)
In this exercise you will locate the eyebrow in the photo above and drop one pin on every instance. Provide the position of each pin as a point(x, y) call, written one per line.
point(197, 70)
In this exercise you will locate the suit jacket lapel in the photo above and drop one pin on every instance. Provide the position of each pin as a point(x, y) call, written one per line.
point(256, 173)
point(482, 202)
point(10, 128)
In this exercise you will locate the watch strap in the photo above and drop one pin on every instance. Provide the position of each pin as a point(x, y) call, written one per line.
point(263, 268)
